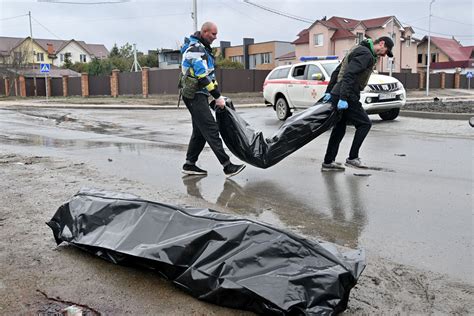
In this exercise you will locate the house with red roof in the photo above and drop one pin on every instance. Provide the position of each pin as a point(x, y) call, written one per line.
point(447, 55)
point(336, 36)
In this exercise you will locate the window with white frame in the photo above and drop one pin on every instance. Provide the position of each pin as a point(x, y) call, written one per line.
point(17, 56)
point(61, 58)
point(253, 61)
point(391, 62)
point(359, 38)
point(408, 40)
point(265, 58)
point(82, 58)
point(318, 39)
point(39, 57)
point(393, 36)
point(238, 59)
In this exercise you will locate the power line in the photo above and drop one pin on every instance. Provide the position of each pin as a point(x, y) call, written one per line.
point(290, 16)
point(418, 19)
point(238, 11)
point(13, 17)
point(438, 17)
point(80, 3)
point(47, 29)
point(421, 29)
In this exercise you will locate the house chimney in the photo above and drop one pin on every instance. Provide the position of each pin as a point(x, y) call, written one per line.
point(50, 49)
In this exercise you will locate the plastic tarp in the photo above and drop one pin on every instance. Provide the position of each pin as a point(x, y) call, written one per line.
point(251, 146)
point(216, 257)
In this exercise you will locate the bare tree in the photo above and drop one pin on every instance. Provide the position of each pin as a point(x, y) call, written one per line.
point(14, 64)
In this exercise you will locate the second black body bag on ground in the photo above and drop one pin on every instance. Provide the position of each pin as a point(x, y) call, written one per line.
point(216, 257)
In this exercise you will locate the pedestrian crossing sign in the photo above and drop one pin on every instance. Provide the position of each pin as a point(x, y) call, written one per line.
point(45, 68)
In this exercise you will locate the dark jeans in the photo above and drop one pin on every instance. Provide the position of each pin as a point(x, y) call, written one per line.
point(356, 115)
point(205, 129)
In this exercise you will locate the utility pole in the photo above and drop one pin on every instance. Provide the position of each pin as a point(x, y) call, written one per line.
point(390, 59)
point(194, 15)
point(429, 53)
point(135, 65)
point(32, 53)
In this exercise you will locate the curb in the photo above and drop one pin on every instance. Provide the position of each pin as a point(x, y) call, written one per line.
point(437, 115)
point(115, 106)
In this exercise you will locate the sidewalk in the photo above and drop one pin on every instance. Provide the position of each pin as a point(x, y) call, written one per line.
point(442, 94)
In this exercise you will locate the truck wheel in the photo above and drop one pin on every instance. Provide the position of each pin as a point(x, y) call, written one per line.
point(282, 109)
point(389, 115)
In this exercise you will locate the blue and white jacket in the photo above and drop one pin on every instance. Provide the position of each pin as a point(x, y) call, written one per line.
point(198, 61)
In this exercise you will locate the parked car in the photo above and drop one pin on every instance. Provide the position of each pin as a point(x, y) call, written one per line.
point(292, 87)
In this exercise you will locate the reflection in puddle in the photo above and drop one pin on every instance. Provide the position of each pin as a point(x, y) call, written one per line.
point(341, 222)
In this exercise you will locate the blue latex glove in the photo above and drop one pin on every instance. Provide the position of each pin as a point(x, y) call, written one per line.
point(342, 105)
point(326, 97)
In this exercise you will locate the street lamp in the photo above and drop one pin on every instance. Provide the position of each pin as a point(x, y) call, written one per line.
point(429, 53)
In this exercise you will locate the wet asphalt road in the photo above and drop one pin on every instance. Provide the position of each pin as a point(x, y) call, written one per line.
point(415, 210)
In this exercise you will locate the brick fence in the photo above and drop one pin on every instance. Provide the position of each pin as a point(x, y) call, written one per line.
point(165, 81)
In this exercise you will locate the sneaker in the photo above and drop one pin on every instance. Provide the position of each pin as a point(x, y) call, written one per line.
point(231, 169)
point(333, 166)
point(193, 169)
point(356, 163)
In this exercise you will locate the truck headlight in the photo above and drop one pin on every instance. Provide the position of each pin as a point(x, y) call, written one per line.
point(368, 100)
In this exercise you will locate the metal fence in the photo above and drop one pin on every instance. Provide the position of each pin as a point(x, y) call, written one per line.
point(449, 81)
point(163, 81)
point(74, 86)
point(99, 85)
point(56, 87)
point(130, 83)
point(409, 80)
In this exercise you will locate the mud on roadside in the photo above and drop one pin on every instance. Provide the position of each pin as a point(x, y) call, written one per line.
point(36, 275)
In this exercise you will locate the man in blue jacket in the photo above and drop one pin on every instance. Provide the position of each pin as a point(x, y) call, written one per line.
point(198, 67)
point(347, 81)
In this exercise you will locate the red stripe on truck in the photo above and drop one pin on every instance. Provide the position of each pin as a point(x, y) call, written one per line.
point(305, 82)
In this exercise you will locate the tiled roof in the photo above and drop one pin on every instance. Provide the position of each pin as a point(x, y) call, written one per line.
point(449, 46)
point(468, 51)
point(343, 26)
point(54, 72)
point(342, 33)
point(8, 43)
point(44, 43)
point(468, 63)
point(98, 50)
point(377, 22)
point(344, 23)
point(303, 37)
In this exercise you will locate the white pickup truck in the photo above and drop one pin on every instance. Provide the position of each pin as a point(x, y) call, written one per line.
point(301, 85)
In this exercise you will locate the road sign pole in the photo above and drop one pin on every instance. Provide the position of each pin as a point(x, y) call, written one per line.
point(469, 76)
point(46, 83)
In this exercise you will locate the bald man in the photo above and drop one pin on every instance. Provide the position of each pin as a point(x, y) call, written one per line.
point(198, 63)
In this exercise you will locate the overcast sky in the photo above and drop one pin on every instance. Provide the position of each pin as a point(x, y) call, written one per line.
point(155, 24)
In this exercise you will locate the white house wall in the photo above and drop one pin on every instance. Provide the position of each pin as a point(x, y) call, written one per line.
point(75, 50)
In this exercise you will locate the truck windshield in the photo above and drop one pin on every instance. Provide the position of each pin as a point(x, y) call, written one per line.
point(330, 67)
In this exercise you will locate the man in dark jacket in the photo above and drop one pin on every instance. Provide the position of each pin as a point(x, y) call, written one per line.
point(198, 69)
point(347, 81)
